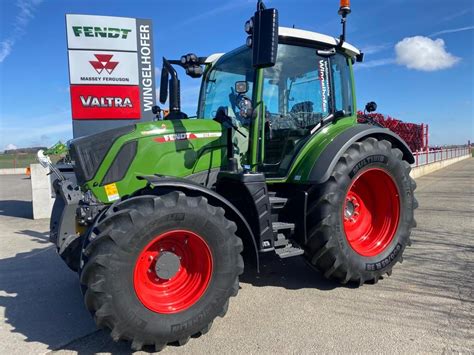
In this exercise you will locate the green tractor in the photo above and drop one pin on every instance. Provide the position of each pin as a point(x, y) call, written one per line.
point(164, 213)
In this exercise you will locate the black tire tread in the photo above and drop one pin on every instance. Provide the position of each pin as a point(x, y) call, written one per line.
point(100, 249)
point(321, 250)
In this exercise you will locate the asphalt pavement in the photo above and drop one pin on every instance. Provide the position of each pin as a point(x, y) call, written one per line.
point(426, 306)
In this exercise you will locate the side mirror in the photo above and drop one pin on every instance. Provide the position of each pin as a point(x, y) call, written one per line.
point(164, 84)
point(263, 36)
point(371, 107)
point(241, 87)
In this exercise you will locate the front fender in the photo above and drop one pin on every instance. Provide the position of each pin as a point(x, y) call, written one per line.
point(157, 183)
point(328, 159)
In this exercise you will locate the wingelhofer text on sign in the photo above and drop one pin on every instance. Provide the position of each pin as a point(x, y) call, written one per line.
point(111, 71)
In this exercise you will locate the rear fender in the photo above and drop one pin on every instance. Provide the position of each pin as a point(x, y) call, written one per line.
point(328, 159)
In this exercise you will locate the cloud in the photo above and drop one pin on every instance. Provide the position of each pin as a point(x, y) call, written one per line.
point(375, 63)
point(26, 13)
point(452, 30)
point(10, 147)
point(375, 48)
point(456, 15)
point(5, 49)
point(425, 54)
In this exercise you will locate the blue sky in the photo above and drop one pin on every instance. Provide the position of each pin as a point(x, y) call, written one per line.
point(436, 89)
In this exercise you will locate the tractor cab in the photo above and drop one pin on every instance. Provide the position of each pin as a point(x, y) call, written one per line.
point(309, 82)
point(273, 94)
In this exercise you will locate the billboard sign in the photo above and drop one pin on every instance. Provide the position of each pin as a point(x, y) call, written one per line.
point(111, 71)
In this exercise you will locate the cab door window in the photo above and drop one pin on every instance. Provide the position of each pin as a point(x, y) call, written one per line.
point(297, 96)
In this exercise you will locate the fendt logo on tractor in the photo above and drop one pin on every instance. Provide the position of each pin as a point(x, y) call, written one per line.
point(274, 163)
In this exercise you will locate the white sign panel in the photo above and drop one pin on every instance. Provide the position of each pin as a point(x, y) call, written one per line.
point(103, 68)
point(101, 32)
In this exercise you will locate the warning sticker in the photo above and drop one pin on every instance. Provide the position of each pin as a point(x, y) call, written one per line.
point(112, 192)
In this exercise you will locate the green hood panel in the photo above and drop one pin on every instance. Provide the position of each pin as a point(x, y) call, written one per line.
point(172, 148)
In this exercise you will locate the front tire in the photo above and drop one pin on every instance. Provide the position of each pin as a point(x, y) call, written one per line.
point(159, 269)
point(360, 220)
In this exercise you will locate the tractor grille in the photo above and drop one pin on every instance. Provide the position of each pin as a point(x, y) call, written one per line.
point(89, 152)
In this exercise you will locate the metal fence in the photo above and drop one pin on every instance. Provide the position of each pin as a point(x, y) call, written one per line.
point(435, 155)
point(15, 161)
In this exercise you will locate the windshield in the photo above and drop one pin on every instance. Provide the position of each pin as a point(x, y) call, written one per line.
point(299, 88)
point(218, 89)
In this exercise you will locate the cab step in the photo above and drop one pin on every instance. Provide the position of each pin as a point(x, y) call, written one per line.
point(283, 227)
point(284, 247)
point(289, 251)
point(277, 203)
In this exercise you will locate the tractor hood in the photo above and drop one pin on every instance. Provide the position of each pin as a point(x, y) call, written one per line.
point(170, 148)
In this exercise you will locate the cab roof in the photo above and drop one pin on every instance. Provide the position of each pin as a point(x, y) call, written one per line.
point(294, 33)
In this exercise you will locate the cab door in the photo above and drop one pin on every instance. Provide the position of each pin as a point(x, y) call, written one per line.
point(297, 96)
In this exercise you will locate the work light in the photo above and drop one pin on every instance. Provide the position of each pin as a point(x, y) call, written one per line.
point(249, 26)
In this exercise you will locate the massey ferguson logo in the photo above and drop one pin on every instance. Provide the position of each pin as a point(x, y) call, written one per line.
point(106, 102)
point(103, 62)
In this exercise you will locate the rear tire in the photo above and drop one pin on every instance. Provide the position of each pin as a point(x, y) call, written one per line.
point(127, 292)
point(360, 220)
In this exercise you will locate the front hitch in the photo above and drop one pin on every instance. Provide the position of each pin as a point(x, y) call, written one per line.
point(63, 224)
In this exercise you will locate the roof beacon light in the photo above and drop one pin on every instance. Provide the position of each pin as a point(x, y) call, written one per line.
point(345, 7)
point(344, 10)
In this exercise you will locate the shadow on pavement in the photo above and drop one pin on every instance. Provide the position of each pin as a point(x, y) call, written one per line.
point(41, 297)
point(42, 238)
point(16, 208)
point(43, 302)
point(292, 274)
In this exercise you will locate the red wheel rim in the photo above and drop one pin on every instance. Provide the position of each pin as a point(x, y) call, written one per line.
point(179, 291)
point(371, 212)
